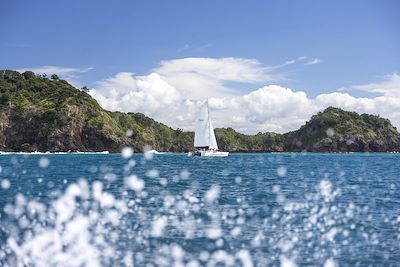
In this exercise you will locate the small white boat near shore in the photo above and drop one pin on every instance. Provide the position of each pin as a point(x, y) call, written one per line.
point(153, 151)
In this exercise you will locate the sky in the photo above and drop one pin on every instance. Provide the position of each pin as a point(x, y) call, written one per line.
point(264, 65)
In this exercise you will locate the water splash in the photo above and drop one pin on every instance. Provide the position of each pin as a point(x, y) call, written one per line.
point(93, 224)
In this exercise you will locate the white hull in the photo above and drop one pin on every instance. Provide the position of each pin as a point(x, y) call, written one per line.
point(208, 153)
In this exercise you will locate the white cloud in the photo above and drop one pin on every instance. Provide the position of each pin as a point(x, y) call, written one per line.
point(226, 69)
point(199, 78)
point(345, 101)
point(172, 93)
point(286, 63)
point(54, 70)
point(275, 108)
point(147, 94)
point(389, 87)
point(69, 74)
point(313, 61)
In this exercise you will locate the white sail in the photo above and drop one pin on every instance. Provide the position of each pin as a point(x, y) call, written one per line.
point(213, 140)
point(202, 131)
point(204, 135)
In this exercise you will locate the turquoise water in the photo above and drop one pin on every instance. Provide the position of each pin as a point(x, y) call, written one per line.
point(173, 210)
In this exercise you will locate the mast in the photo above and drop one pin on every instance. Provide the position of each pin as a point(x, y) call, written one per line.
point(209, 125)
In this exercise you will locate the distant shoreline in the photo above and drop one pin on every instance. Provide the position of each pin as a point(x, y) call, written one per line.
point(179, 152)
point(42, 114)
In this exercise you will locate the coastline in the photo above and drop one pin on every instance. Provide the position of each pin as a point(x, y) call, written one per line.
point(184, 153)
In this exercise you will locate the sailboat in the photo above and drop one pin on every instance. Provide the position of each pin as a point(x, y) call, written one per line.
point(205, 143)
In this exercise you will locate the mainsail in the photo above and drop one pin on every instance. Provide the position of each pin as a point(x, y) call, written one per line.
point(204, 135)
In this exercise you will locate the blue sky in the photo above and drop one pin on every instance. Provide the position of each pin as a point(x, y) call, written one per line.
point(352, 42)
point(356, 40)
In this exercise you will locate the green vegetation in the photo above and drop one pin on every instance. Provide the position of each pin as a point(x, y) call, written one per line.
point(230, 140)
point(41, 114)
point(337, 130)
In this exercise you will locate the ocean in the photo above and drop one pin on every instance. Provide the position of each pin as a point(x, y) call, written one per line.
point(267, 209)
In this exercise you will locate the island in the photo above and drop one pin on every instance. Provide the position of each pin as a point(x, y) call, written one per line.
point(38, 113)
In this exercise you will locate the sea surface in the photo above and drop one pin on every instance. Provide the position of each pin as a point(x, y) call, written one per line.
point(270, 209)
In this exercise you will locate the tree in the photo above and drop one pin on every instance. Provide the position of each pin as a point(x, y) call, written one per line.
point(85, 89)
point(28, 75)
point(54, 77)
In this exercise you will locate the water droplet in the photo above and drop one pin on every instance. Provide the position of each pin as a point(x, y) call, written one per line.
point(184, 175)
point(134, 183)
point(5, 184)
point(127, 152)
point(212, 194)
point(330, 132)
point(44, 162)
point(281, 171)
point(129, 133)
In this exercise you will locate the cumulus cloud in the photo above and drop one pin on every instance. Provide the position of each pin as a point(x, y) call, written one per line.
point(149, 94)
point(169, 96)
point(275, 108)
